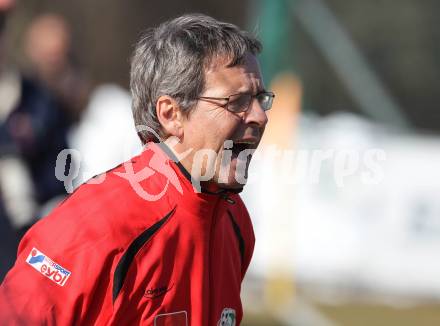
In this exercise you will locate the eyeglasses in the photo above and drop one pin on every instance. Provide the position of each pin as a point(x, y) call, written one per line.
point(237, 103)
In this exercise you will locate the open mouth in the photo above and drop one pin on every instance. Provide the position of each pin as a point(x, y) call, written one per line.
point(238, 162)
point(243, 145)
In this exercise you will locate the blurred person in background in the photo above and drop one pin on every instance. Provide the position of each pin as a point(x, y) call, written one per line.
point(32, 133)
point(99, 120)
point(48, 49)
point(7, 233)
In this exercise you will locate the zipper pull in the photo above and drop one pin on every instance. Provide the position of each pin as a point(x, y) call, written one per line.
point(227, 198)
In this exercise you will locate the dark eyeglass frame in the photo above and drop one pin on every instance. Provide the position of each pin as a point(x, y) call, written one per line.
point(228, 100)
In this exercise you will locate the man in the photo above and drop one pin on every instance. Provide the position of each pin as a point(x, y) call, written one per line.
point(158, 241)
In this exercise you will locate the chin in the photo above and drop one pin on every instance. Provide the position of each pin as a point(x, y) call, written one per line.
point(231, 186)
point(234, 176)
point(233, 182)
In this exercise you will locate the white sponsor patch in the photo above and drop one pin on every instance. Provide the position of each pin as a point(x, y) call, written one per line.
point(48, 267)
point(178, 318)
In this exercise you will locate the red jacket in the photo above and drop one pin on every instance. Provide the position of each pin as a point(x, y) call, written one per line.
point(139, 246)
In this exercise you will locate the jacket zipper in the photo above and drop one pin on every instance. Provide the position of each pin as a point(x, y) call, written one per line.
point(227, 198)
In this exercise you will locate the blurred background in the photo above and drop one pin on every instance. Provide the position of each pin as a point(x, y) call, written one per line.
point(344, 192)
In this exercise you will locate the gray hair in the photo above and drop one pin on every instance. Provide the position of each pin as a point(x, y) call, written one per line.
point(171, 60)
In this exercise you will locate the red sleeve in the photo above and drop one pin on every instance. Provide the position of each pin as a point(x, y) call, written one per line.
point(60, 269)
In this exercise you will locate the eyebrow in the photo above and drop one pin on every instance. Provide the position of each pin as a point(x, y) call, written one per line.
point(262, 90)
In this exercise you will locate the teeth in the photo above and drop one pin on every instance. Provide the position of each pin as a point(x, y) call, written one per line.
point(244, 142)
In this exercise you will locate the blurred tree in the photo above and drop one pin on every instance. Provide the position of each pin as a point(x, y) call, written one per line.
point(274, 23)
point(400, 40)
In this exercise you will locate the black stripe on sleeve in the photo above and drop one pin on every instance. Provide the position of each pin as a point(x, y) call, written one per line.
point(125, 261)
point(238, 234)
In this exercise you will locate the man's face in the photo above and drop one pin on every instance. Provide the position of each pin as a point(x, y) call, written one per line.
point(210, 127)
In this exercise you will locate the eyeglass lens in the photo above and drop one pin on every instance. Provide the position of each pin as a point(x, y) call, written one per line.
point(242, 102)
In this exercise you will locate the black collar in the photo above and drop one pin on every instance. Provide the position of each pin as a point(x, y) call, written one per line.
point(221, 191)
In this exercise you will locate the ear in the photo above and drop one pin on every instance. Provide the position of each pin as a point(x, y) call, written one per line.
point(169, 116)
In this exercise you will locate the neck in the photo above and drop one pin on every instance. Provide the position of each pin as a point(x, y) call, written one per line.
point(185, 161)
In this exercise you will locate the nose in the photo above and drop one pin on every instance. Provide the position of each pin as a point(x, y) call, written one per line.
point(256, 115)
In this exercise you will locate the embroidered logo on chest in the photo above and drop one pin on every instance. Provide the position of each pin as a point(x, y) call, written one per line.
point(227, 317)
point(155, 292)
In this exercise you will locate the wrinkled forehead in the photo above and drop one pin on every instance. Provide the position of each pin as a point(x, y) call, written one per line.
point(245, 76)
point(217, 61)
